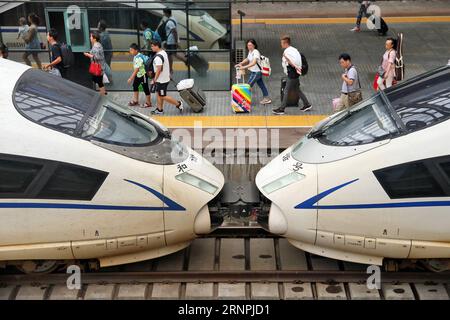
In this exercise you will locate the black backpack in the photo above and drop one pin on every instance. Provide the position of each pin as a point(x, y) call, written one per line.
point(304, 65)
point(162, 29)
point(151, 70)
point(66, 55)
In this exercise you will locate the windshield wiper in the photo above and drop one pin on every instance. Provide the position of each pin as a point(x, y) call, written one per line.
point(321, 132)
point(123, 114)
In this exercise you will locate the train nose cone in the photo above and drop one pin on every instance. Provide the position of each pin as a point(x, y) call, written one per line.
point(206, 221)
point(277, 221)
point(273, 220)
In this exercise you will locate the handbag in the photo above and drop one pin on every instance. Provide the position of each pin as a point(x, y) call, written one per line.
point(95, 68)
point(355, 96)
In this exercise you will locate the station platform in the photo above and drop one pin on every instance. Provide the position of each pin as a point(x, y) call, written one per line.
point(426, 46)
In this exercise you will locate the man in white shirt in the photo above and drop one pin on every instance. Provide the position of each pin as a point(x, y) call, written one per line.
point(292, 66)
point(172, 44)
point(161, 79)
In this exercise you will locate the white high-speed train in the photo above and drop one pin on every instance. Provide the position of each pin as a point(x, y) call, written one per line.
point(372, 182)
point(84, 178)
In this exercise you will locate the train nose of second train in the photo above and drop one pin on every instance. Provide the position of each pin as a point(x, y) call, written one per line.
point(195, 183)
point(286, 182)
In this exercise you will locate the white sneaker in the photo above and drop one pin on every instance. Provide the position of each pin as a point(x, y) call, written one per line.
point(265, 101)
point(356, 29)
point(157, 112)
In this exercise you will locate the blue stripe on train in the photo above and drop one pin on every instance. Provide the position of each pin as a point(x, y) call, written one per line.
point(311, 202)
point(171, 205)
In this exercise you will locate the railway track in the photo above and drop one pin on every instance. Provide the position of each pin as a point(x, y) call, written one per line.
point(231, 268)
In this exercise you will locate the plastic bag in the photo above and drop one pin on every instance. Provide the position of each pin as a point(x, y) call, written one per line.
point(336, 103)
point(105, 79)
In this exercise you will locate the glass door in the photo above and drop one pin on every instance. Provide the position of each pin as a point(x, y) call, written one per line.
point(72, 26)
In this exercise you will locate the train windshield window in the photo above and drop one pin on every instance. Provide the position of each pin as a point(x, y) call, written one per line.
point(53, 102)
point(117, 125)
point(16, 176)
point(423, 101)
point(364, 123)
point(409, 180)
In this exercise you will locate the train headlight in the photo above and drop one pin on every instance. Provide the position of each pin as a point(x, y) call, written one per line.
point(283, 182)
point(197, 182)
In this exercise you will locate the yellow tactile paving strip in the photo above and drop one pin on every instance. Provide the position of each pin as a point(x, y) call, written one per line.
point(240, 121)
point(418, 19)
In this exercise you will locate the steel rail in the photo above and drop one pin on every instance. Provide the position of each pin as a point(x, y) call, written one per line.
point(228, 277)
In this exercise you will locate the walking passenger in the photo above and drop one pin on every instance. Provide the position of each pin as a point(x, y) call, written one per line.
point(32, 43)
point(149, 35)
point(252, 63)
point(56, 65)
point(364, 5)
point(23, 28)
point(3, 51)
point(105, 40)
point(97, 55)
point(292, 65)
point(161, 79)
point(172, 44)
point(139, 77)
point(350, 91)
point(386, 72)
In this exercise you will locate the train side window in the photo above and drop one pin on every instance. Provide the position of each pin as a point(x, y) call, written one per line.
point(53, 102)
point(72, 182)
point(424, 102)
point(445, 166)
point(409, 180)
point(16, 176)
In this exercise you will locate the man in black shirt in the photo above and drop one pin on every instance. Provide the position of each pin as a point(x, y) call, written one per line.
point(55, 48)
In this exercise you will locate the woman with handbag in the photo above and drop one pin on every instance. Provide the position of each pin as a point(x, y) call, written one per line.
point(350, 92)
point(32, 42)
point(98, 63)
point(386, 71)
point(252, 63)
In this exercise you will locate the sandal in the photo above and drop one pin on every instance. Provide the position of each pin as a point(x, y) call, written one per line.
point(133, 103)
point(146, 105)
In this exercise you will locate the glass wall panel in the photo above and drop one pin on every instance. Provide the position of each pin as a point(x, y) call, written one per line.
point(204, 32)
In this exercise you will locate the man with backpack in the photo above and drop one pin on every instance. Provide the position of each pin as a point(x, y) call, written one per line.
point(149, 36)
point(168, 33)
point(56, 64)
point(139, 76)
point(161, 79)
point(293, 67)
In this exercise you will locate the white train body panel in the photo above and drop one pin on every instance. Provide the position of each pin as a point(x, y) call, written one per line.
point(140, 207)
point(360, 195)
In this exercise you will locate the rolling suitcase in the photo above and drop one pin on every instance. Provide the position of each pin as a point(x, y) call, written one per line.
point(382, 31)
point(198, 63)
point(191, 94)
point(293, 95)
point(241, 97)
